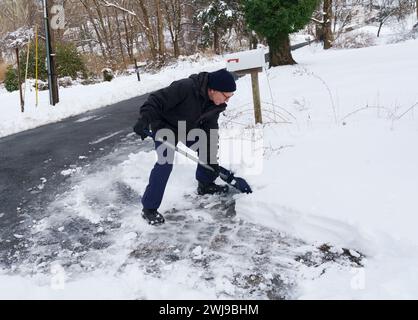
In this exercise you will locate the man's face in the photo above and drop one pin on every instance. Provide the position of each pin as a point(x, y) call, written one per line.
point(219, 97)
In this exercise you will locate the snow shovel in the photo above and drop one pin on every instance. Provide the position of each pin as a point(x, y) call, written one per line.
point(226, 175)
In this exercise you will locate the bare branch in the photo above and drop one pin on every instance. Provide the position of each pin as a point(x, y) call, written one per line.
point(117, 6)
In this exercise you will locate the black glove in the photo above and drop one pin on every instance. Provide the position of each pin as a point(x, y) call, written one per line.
point(141, 127)
point(236, 182)
point(241, 185)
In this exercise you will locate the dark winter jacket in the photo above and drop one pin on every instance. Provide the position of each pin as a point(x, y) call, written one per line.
point(184, 100)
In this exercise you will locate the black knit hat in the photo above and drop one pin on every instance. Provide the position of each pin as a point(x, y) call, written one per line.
point(222, 80)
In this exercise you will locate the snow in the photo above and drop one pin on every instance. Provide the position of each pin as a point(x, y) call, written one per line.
point(18, 38)
point(338, 166)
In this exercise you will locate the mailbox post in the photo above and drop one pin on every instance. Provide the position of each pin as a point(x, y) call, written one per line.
point(138, 65)
point(249, 62)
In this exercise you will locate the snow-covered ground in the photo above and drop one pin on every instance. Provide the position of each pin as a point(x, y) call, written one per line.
point(338, 166)
point(352, 184)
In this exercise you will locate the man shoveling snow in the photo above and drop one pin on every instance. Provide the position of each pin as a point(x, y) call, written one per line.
point(187, 111)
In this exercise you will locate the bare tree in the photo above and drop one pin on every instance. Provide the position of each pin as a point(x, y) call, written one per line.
point(390, 8)
point(15, 14)
point(173, 14)
point(416, 7)
point(160, 33)
point(344, 13)
point(147, 28)
point(322, 18)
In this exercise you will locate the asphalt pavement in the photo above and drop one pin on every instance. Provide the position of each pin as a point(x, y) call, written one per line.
point(31, 161)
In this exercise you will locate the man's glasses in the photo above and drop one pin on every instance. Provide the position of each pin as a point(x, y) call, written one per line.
point(225, 96)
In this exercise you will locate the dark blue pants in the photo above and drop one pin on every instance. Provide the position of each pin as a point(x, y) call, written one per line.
point(158, 179)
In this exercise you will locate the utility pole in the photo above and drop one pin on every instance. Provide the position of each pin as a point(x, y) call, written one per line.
point(50, 57)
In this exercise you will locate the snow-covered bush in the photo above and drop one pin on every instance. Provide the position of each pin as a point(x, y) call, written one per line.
point(42, 85)
point(355, 40)
point(65, 82)
point(107, 74)
point(89, 81)
point(412, 34)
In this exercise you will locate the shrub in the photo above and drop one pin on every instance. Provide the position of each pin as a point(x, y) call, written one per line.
point(11, 83)
point(69, 62)
point(107, 74)
point(353, 40)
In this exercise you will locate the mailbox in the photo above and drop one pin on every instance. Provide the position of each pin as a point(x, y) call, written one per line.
point(249, 62)
point(246, 61)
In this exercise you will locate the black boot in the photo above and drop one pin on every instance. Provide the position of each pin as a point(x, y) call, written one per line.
point(152, 216)
point(211, 188)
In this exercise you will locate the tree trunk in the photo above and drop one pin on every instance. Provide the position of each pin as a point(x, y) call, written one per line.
point(173, 16)
point(96, 30)
point(22, 102)
point(216, 46)
point(146, 25)
point(416, 5)
point(280, 53)
point(319, 27)
point(128, 37)
point(110, 30)
point(327, 31)
point(161, 45)
point(178, 27)
point(105, 35)
point(176, 47)
point(380, 28)
point(253, 41)
point(88, 36)
point(120, 39)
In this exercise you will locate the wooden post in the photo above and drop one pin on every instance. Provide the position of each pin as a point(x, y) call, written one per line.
point(26, 69)
point(256, 97)
point(22, 103)
point(137, 70)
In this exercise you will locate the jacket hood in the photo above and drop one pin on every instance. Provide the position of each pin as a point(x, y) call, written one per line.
point(201, 82)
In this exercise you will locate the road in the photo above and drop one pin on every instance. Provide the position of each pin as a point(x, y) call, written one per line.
point(31, 158)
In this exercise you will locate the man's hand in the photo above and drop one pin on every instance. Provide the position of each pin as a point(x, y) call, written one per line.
point(241, 185)
point(140, 127)
point(236, 182)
